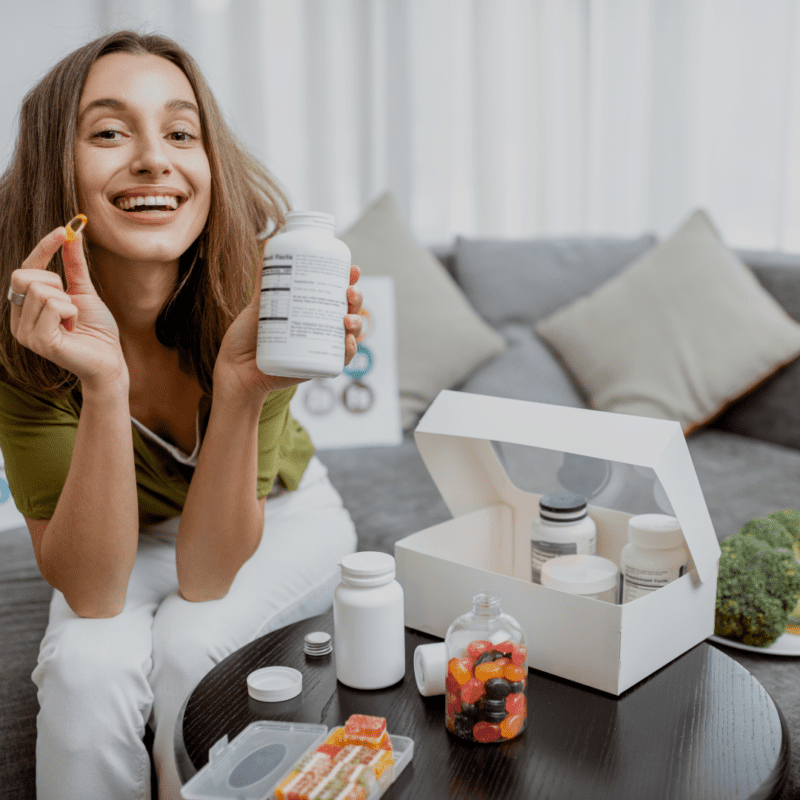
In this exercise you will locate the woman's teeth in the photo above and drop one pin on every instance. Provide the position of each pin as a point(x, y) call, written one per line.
point(156, 203)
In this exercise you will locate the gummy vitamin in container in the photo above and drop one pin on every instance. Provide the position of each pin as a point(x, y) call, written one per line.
point(487, 674)
point(563, 528)
point(305, 275)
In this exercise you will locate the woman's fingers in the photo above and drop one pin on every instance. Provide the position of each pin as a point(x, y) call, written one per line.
point(42, 254)
point(352, 320)
point(55, 312)
point(76, 270)
point(44, 308)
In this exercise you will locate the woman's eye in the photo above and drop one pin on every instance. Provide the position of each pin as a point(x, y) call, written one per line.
point(108, 135)
point(183, 137)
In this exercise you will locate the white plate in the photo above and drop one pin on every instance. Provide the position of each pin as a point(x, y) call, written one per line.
point(787, 644)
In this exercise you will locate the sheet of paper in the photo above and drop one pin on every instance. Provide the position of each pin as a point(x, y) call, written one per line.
point(360, 407)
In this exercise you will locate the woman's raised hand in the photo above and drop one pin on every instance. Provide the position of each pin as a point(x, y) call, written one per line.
point(236, 367)
point(72, 328)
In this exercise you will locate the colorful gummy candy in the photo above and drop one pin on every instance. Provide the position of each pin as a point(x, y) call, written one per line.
point(485, 691)
point(349, 765)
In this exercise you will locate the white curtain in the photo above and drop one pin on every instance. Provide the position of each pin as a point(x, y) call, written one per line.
point(511, 118)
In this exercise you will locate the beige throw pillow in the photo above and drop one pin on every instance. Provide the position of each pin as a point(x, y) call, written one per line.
point(680, 334)
point(441, 338)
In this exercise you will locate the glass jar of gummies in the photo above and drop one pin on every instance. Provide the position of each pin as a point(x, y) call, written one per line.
point(486, 674)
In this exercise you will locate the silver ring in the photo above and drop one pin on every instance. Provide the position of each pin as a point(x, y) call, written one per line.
point(15, 298)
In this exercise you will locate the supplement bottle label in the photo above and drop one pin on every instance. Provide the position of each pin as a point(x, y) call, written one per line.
point(301, 299)
point(542, 551)
point(636, 582)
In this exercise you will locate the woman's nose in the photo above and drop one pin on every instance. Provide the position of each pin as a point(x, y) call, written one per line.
point(151, 156)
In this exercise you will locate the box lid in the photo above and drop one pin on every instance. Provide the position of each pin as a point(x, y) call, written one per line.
point(455, 434)
point(252, 765)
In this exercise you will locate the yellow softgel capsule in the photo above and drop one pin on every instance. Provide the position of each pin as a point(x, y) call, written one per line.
point(75, 226)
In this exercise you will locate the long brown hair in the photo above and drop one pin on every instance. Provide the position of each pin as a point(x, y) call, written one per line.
point(38, 192)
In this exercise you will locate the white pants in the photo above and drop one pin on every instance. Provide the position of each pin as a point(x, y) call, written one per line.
point(101, 681)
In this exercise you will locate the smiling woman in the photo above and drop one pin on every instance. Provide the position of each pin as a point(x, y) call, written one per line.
point(173, 503)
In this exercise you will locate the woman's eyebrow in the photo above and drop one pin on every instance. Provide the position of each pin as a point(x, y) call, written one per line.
point(118, 105)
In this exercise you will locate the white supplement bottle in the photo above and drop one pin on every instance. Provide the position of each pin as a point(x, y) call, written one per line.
point(656, 554)
point(563, 528)
point(588, 576)
point(305, 275)
point(369, 623)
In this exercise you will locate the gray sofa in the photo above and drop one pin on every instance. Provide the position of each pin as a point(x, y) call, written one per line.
point(747, 461)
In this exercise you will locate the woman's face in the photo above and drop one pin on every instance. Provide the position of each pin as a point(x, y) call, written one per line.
point(144, 179)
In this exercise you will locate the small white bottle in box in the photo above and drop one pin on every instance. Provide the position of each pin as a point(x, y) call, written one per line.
point(655, 555)
point(563, 528)
point(305, 275)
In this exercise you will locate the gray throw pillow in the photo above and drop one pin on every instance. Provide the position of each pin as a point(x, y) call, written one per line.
point(680, 334)
point(526, 370)
point(526, 280)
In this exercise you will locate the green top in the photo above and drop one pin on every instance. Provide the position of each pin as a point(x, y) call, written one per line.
point(37, 434)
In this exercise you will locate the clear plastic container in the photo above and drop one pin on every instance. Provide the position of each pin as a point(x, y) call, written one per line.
point(253, 765)
point(304, 284)
point(487, 674)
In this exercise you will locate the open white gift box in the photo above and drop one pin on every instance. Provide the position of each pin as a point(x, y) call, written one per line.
point(487, 543)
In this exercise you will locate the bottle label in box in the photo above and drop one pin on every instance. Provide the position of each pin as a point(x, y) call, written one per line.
point(542, 551)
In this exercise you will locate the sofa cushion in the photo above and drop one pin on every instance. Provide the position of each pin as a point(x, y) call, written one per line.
point(772, 411)
point(743, 478)
point(440, 337)
point(525, 280)
point(24, 612)
point(525, 370)
point(680, 334)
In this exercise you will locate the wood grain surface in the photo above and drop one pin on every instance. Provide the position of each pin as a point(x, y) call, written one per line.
point(701, 727)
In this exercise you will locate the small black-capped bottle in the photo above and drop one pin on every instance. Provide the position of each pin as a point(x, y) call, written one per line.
point(563, 528)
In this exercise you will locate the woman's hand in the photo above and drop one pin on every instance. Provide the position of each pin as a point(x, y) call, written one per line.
point(71, 328)
point(236, 369)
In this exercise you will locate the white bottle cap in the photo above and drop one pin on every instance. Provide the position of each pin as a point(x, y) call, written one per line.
point(580, 574)
point(317, 218)
point(274, 684)
point(368, 568)
point(660, 531)
point(430, 668)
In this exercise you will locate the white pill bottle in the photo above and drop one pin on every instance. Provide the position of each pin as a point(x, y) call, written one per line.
point(656, 554)
point(369, 622)
point(304, 280)
point(563, 528)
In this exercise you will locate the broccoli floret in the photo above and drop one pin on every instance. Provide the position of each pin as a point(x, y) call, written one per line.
point(770, 531)
point(790, 519)
point(757, 588)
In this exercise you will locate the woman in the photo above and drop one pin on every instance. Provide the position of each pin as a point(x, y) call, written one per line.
point(174, 505)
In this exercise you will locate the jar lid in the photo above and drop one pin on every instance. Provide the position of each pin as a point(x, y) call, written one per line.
point(316, 218)
point(580, 574)
point(562, 506)
point(368, 567)
point(660, 531)
point(274, 684)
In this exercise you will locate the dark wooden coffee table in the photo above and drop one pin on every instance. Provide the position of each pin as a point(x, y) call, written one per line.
point(701, 727)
